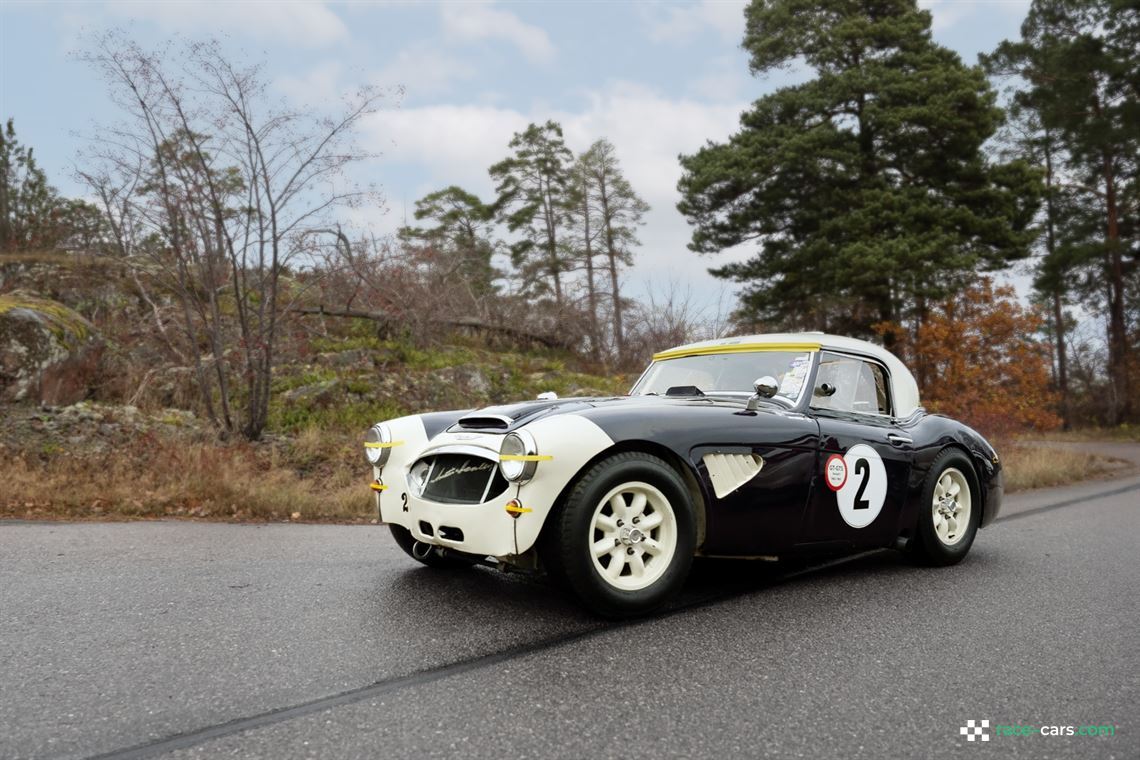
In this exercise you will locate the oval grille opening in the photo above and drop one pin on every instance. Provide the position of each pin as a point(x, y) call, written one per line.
point(462, 479)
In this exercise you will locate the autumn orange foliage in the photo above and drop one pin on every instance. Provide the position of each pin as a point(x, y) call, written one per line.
point(979, 358)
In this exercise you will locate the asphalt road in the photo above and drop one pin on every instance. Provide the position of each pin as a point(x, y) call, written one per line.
point(179, 639)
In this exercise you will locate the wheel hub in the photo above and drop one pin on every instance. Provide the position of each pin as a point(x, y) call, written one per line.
point(630, 536)
point(948, 507)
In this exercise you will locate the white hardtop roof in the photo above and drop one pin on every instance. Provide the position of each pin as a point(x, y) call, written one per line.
point(904, 389)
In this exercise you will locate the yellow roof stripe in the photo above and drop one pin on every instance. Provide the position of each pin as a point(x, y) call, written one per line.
point(734, 348)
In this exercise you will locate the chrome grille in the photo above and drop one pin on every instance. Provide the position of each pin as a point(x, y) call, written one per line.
point(462, 479)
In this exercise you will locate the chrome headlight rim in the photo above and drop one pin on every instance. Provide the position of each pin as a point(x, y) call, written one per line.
point(519, 442)
point(380, 436)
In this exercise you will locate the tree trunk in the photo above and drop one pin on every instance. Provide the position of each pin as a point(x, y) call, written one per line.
point(1118, 330)
point(1062, 360)
point(921, 312)
point(5, 190)
point(612, 255)
point(1058, 306)
point(552, 245)
point(591, 291)
point(887, 316)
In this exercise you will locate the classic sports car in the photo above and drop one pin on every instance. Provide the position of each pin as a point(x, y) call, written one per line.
point(827, 450)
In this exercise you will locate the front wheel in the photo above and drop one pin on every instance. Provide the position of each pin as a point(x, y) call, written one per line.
point(623, 540)
point(949, 511)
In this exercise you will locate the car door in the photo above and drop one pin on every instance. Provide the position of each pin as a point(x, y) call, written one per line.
point(860, 485)
point(764, 513)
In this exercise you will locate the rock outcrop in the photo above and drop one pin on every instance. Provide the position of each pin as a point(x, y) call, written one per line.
point(49, 354)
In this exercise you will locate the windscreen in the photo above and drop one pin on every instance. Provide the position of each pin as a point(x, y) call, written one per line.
point(727, 373)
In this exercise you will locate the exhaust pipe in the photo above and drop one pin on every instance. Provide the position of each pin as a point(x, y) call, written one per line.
point(420, 550)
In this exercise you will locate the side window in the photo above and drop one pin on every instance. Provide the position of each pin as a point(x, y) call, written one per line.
point(855, 386)
point(874, 387)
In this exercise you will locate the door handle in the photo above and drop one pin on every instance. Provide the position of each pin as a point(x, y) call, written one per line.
point(899, 440)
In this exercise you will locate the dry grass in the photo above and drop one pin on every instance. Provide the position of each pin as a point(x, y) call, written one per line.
point(1028, 466)
point(1122, 433)
point(316, 475)
point(310, 479)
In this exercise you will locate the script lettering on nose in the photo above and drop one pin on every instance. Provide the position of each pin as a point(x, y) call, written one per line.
point(466, 467)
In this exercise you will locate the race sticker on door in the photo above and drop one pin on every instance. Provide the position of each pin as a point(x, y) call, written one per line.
point(859, 480)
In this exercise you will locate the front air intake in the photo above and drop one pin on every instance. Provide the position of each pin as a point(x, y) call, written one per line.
point(454, 478)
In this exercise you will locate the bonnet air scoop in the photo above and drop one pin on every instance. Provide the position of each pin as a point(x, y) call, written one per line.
point(482, 421)
point(510, 416)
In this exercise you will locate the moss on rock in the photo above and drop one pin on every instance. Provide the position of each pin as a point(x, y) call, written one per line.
point(48, 352)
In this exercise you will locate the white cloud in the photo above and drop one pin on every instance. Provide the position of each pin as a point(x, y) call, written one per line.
point(451, 144)
point(682, 23)
point(649, 130)
point(308, 24)
point(448, 144)
point(320, 84)
point(724, 78)
point(424, 69)
point(949, 13)
point(472, 22)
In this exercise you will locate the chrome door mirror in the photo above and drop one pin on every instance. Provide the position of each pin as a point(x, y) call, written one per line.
point(766, 387)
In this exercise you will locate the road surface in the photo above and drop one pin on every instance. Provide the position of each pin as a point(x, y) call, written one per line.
point(178, 639)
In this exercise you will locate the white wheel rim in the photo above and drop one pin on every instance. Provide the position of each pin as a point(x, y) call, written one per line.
point(633, 536)
point(951, 506)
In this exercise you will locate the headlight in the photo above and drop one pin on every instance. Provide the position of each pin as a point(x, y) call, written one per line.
point(378, 445)
point(515, 446)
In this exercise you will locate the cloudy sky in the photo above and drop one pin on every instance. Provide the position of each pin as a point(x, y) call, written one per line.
point(657, 79)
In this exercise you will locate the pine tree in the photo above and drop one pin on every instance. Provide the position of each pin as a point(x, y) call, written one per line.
point(533, 187)
point(1080, 66)
point(461, 235)
point(583, 246)
point(865, 188)
point(29, 206)
point(618, 210)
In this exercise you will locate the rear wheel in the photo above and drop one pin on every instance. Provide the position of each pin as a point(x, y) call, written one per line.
point(426, 553)
point(949, 510)
point(623, 540)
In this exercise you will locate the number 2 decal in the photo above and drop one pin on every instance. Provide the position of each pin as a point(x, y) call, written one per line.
point(862, 469)
point(861, 496)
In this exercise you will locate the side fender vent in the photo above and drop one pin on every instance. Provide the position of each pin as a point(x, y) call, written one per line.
point(729, 472)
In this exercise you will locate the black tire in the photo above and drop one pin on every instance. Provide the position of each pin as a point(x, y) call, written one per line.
point(570, 534)
point(433, 558)
point(927, 548)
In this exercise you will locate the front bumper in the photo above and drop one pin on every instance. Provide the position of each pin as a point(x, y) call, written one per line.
point(486, 529)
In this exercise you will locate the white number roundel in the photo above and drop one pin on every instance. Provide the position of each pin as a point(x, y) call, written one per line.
point(862, 493)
